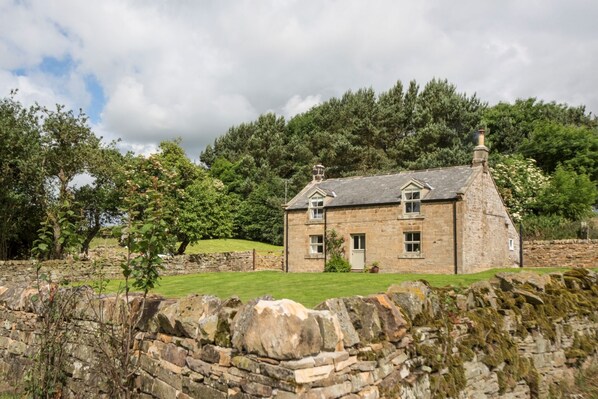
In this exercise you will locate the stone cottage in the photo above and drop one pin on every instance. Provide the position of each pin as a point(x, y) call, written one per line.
point(445, 220)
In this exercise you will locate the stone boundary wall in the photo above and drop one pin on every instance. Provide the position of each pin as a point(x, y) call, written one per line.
point(508, 338)
point(21, 271)
point(561, 253)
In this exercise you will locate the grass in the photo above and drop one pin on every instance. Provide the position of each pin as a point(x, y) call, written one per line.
point(203, 246)
point(309, 289)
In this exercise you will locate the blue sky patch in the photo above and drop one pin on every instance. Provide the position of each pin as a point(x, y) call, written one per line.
point(98, 99)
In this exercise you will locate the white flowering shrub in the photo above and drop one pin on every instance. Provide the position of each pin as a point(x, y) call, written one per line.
point(520, 183)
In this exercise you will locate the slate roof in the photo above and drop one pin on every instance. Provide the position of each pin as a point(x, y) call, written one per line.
point(444, 184)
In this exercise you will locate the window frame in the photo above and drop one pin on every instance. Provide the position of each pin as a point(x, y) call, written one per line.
point(511, 244)
point(409, 202)
point(409, 243)
point(316, 247)
point(316, 207)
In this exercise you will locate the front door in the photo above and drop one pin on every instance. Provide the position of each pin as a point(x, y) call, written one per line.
point(357, 251)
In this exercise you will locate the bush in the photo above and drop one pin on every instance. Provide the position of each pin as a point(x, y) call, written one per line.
point(337, 264)
point(554, 227)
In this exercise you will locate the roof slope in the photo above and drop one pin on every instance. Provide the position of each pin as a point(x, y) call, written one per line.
point(444, 183)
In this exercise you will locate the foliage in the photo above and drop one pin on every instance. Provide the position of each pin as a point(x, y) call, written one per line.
point(358, 133)
point(337, 264)
point(148, 216)
point(22, 192)
point(334, 244)
point(147, 236)
point(58, 235)
point(200, 207)
point(510, 125)
point(576, 148)
point(569, 194)
point(520, 182)
point(55, 307)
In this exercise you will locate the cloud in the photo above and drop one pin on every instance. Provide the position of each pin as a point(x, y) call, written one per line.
point(297, 105)
point(193, 69)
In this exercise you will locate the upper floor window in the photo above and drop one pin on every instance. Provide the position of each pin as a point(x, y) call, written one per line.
point(316, 207)
point(412, 200)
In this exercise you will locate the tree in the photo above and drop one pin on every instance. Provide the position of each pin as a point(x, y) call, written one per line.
point(201, 207)
point(22, 193)
point(576, 148)
point(68, 146)
point(99, 202)
point(510, 125)
point(569, 194)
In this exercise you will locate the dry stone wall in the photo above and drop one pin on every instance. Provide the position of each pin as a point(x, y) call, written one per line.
point(562, 253)
point(506, 338)
point(22, 271)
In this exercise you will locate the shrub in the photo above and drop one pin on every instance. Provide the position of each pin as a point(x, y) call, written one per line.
point(554, 227)
point(337, 264)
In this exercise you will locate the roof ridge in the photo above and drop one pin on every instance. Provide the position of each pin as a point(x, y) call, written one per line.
point(394, 174)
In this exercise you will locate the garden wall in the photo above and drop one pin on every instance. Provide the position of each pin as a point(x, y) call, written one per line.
point(21, 271)
point(561, 253)
point(508, 338)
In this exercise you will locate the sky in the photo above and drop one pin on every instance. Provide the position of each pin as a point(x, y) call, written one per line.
point(152, 70)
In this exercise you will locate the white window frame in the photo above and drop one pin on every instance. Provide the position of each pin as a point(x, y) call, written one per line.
point(511, 244)
point(316, 244)
point(316, 207)
point(412, 240)
point(412, 201)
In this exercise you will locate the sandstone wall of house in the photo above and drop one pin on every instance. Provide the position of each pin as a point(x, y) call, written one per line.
point(487, 228)
point(383, 227)
point(563, 253)
point(508, 338)
point(21, 271)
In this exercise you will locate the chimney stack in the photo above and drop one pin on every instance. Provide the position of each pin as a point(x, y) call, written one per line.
point(480, 152)
point(318, 173)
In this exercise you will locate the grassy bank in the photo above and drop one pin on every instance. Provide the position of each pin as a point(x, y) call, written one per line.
point(306, 288)
point(203, 246)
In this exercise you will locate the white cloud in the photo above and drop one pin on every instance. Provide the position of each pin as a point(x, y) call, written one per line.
point(297, 105)
point(193, 69)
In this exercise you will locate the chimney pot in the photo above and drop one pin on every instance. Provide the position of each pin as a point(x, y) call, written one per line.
point(481, 136)
point(318, 173)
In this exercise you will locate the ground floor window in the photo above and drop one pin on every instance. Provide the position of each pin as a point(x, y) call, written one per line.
point(412, 242)
point(511, 244)
point(316, 244)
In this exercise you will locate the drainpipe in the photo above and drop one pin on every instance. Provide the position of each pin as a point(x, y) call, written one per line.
point(286, 240)
point(521, 244)
point(325, 230)
point(455, 237)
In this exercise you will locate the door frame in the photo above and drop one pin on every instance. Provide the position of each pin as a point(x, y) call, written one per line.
point(361, 251)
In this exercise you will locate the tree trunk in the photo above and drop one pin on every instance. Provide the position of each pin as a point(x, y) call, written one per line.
point(57, 252)
point(93, 231)
point(183, 246)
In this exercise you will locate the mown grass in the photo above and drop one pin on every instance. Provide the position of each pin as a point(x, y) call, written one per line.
point(203, 246)
point(309, 289)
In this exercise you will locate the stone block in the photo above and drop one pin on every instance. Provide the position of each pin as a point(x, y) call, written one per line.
point(303, 376)
point(337, 307)
point(254, 388)
point(342, 364)
point(282, 330)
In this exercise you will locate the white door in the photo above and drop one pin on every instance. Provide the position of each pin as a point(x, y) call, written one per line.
point(357, 251)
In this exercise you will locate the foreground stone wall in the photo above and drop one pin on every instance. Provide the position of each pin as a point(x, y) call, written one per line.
point(561, 253)
point(22, 271)
point(508, 338)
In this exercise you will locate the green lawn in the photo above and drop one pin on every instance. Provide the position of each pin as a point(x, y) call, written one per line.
point(306, 288)
point(203, 246)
